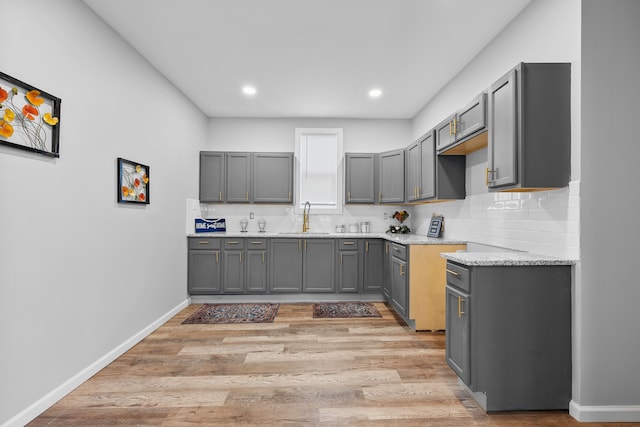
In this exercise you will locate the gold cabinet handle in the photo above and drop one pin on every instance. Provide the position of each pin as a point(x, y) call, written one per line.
point(366, 246)
point(256, 243)
point(340, 257)
point(386, 248)
point(264, 255)
point(349, 243)
point(240, 257)
point(486, 176)
point(289, 195)
point(217, 257)
point(460, 312)
point(450, 129)
point(396, 249)
point(246, 195)
point(220, 196)
point(379, 197)
point(455, 126)
point(455, 273)
point(305, 246)
point(203, 242)
point(401, 270)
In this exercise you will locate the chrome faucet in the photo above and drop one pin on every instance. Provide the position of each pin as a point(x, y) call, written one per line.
point(305, 217)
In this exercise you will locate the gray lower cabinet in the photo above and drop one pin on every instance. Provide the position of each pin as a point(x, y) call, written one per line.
point(386, 289)
point(318, 265)
point(373, 265)
point(285, 265)
point(360, 177)
point(212, 176)
point(399, 285)
point(509, 334)
point(272, 177)
point(529, 115)
point(391, 182)
point(233, 266)
point(348, 265)
point(204, 266)
point(256, 279)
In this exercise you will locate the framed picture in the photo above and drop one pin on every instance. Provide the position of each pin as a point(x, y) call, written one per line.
point(435, 228)
point(29, 117)
point(133, 182)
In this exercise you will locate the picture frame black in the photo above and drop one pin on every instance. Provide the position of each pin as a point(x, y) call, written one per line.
point(133, 182)
point(435, 227)
point(29, 117)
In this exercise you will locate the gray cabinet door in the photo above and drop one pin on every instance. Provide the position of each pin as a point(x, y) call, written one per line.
point(399, 291)
point(212, 176)
point(256, 269)
point(458, 340)
point(348, 271)
point(238, 177)
point(319, 265)
point(373, 265)
point(472, 118)
point(427, 165)
point(445, 135)
point(204, 272)
point(412, 186)
point(360, 178)
point(386, 290)
point(272, 177)
point(285, 265)
point(233, 271)
point(503, 149)
point(391, 184)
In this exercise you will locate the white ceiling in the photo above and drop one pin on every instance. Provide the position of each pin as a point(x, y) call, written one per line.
point(308, 58)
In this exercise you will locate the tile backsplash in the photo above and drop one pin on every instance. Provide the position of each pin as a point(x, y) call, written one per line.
point(544, 222)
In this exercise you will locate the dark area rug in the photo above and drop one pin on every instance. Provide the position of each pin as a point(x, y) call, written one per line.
point(336, 310)
point(234, 313)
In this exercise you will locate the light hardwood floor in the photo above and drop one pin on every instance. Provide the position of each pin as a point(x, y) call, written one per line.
point(297, 371)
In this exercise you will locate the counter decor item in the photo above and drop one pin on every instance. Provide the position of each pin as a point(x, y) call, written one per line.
point(354, 228)
point(262, 224)
point(436, 226)
point(340, 228)
point(29, 117)
point(400, 217)
point(210, 225)
point(133, 182)
point(365, 226)
point(244, 222)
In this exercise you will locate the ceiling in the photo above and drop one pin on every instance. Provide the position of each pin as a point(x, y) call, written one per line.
point(308, 58)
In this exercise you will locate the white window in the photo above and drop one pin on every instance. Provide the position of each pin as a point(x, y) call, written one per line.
point(319, 158)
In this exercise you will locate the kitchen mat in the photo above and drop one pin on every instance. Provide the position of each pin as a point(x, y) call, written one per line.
point(233, 313)
point(337, 310)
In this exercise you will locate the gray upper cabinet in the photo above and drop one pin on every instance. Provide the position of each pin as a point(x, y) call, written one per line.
point(238, 177)
point(430, 176)
point(272, 177)
point(391, 183)
point(530, 128)
point(360, 177)
point(212, 176)
point(461, 126)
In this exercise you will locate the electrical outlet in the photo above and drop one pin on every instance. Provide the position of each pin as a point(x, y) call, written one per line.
point(250, 215)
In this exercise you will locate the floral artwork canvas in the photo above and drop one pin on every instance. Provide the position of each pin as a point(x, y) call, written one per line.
point(133, 182)
point(29, 117)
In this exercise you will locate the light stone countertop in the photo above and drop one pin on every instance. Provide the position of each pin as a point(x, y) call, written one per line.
point(504, 259)
point(404, 239)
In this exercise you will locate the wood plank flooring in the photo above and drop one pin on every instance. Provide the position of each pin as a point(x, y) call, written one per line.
point(297, 371)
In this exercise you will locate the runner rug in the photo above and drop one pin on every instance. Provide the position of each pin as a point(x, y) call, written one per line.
point(344, 310)
point(234, 313)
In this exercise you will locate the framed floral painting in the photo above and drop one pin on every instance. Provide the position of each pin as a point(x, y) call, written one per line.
point(133, 182)
point(29, 117)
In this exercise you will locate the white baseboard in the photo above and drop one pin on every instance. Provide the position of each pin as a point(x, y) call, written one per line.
point(604, 414)
point(41, 405)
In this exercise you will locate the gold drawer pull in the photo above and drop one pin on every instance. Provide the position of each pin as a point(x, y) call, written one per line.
point(455, 273)
point(203, 242)
point(460, 312)
point(348, 243)
point(233, 243)
point(256, 243)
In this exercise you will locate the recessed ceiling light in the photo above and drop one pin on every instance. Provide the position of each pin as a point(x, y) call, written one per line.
point(375, 93)
point(249, 90)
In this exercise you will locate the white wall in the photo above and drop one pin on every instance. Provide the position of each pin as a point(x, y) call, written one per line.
point(607, 318)
point(548, 222)
point(79, 274)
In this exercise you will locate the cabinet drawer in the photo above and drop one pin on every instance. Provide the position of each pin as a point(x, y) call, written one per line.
point(399, 251)
point(204, 243)
point(348, 244)
point(458, 277)
point(234, 243)
point(256, 244)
